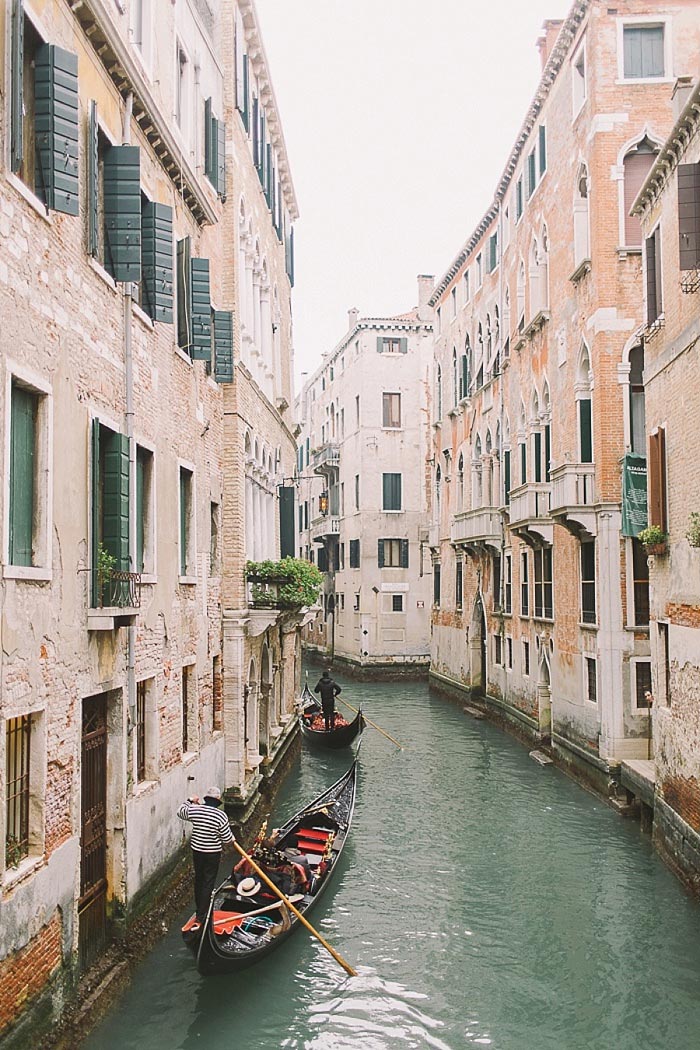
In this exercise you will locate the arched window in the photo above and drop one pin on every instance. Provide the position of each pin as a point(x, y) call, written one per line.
point(544, 270)
point(496, 366)
point(488, 467)
point(465, 378)
point(638, 439)
point(582, 391)
point(438, 392)
point(438, 497)
point(547, 419)
point(476, 475)
point(521, 296)
point(506, 461)
point(522, 443)
point(489, 340)
point(582, 250)
point(455, 377)
point(460, 482)
point(480, 357)
point(636, 166)
point(536, 437)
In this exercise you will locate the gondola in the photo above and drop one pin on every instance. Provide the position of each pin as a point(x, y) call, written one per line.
point(232, 936)
point(342, 735)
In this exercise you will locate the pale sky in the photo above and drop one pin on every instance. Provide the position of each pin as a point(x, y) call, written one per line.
point(398, 118)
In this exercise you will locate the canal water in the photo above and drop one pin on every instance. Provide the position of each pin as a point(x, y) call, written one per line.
point(484, 900)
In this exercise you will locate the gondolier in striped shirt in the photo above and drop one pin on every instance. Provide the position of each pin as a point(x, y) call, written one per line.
point(210, 831)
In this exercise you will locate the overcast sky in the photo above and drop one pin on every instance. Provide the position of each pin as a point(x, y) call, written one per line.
point(398, 117)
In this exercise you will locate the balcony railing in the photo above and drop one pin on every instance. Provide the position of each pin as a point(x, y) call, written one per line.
point(529, 502)
point(477, 526)
point(573, 485)
point(326, 457)
point(264, 591)
point(115, 589)
point(327, 526)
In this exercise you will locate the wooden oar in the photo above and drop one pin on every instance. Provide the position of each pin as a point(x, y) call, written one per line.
point(305, 922)
point(373, 724)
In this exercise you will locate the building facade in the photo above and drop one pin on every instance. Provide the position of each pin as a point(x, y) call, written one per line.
point(146, 210)
point(541, 592)
point(668, 207)
point(363, 490)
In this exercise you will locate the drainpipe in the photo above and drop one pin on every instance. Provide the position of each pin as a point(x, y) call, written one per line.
point(129, 420)
point(501, 471)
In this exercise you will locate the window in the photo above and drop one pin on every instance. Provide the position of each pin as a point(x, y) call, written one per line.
point(392, 554)
point(438, 392)
point(140, 26)
point(654, 288)
point(193, 303)
point(664, 662)
point(523, 463)
point(357, 492)
point(459, 584)
point(588, 609)
point(141, 688)
point(187, 548)
point(643, 51)
point(636, 166)
point(214, 149)
point(391, 492)
point(508, 585)
point(391, 410)
point(18, 736)
point(467, 290)
point(531, 174)
point(181, 88)
point(537, 454)
point(688, 216)
point(642, 675)
point(436, 583)
point(357, 410)
point(519, 199)
point(497, 650)
point(524, 584)
point(591, 680)
point(492, 255)
point(542, 145)
point(582, 251)
point(453, 300)
point(640, 575)
point(356, 603)
point(506, 477)
point(638, 437)
point(28, 519)
point(189, 710)
point(214, 559)
point(583, 394)
point(578, 78)
point(526, 658)
point(397, 603)
point(354, 554)
point(656, 477)
point(479, 271)
point(543, 583)
point(509, 654)
point(438, 319)
point(145, 491)
point(109, 516)
point(391, 345)
point(341, 555)
point(465, 378)
point(217, 695)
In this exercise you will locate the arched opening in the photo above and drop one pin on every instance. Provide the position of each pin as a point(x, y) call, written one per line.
point(477, 649)
point(636, 165)
point(583, 393)
point(460, 482)
point(544, 698)
point(477, 490)
point(250, 696)
point(582, 250)
point(455, 380)
point(466, 376)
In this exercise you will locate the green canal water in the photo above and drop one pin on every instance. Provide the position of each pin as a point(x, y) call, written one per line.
point(485, 901)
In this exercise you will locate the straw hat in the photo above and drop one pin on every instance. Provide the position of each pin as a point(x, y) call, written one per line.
point(248, 887)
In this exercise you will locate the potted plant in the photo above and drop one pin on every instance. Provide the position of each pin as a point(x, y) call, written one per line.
point(286, 584)
point(106, 564)
point(654, 539)
point(693, 533)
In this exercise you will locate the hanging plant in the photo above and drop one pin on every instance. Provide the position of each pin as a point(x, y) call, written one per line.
point(286, 584)
point(654, 540)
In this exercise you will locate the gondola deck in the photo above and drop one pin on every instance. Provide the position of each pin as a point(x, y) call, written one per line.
point(341, 736)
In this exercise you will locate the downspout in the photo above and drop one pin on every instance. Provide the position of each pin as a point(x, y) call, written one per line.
point(129, 420)
point(501, 471)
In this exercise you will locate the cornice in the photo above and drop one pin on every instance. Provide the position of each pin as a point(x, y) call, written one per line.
point(380, 324)
point(684, 131)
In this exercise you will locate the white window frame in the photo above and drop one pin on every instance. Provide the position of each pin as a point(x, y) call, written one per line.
point(645, 22)
point(585, 657)
point(634, 661)
point(144, 49)
point(35, 709)
point(150, 545)
point(191, 559)
point(152, 758)
point(392, 393)
point(579, 97)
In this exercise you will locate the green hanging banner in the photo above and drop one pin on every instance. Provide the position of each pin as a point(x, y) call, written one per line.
point(635, 516)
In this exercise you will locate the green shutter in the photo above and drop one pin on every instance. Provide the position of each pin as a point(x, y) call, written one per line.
point(122, 205)
point(209, 146)
point(286, 521)
point(115, 497)
point(403, 346)
point(268, 174)
point(506, 476)
point(290, 257)
point(543, 149)
point(386, 492)
point(184, 295)
point(523, 463)
point(245, 113)
point(584, 408)
point(404, 554)
point(93, 188)
point(56, 127)
point(140, 520)
point(22, 475)
point(95, 509)
point(538, 456)
point(547, 450)
point(380, 344)
point(184, 479)
point(17, 87)
point(380, 553)
point(201, 310)
point(157, 260)
point(221, 159)
point(223, 346)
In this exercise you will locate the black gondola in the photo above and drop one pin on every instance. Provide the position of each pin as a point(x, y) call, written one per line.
point(232, 937)
point(342, 735)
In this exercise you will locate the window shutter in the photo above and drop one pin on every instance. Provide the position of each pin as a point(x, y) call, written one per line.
point(184, 294)
point(651, 278)
point(22, 470)
point(245, 113)
point(223, 346)
point(115, 498)
point(380, 553)
point(209, 165)
point(636, 168)
point(17, 104)
point(201, 310)
point(221, 159)
point(657, 479)
point(538, 455)
point(547, 450)
point(122, 206)
point(184, 478)
point(403, 346)
point(632, 47)
point(93, 188)
point(387, 492)
point(286, 521)
point(256, 133)
point(404, 554)
point(689, 215)
point(268, 173)
point(290, 257)
point(239, 49)
point(380, 344)
point(543, 149)
point(56, 124)
point(506, 476)
point(140, 469)
point(157, 260)
point(585, 430)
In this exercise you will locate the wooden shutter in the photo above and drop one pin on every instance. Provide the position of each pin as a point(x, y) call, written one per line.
point(636, 168)
point(657, 479)
point(653, 277)
point(56, 127)
point(184, 294)
point(523, 463)
point(245, 113)
point(22, 473)
point(290, 257)
point(221, 159)
point(543, 148)
point(122, 207)
point(223, 346)
point(184, 538)
point(209, 163)
point(115, 497)
point(404, 554)
point(267, 182)
point(380, 344)
point(17, 87)
point(201, 310)
point(585, 430)
point(140, 509)
point(256, 133)
point(93, 174)
point(157, 260)
point(538, 455)
point(380, 553)
point(506, 475)
point(689, 215)
point(286, 521)
point(387, 492)
point(403, 346)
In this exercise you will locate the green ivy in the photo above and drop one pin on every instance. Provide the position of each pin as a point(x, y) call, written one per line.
point(286, 584)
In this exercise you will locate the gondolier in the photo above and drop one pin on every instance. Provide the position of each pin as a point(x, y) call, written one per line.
point(210, 832)
point(328, 689)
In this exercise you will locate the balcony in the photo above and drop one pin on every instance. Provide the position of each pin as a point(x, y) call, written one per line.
point(529, 512)
point(477, 527)
point(115, 599)
point(573, 500)
point(325, 528)
point(326, 458)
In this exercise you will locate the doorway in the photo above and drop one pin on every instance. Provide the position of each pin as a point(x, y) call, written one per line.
point(92, 903)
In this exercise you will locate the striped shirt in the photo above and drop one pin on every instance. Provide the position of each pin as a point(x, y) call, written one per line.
point(210, 827)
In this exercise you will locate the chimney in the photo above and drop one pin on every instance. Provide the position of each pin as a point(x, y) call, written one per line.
point(680, 95)
point(545, 43)
point(426, 283)
point(353, 315)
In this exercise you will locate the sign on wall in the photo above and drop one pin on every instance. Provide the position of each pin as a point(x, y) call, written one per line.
point(635, 516)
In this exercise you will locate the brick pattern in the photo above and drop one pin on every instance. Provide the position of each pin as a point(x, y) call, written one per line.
point(683, 795)
point(25, 973)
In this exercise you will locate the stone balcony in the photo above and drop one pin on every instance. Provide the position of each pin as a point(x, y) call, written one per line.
point(477, 527)
point(324, 528)
point(573, 499)
point(529, 512)
point(326, 458)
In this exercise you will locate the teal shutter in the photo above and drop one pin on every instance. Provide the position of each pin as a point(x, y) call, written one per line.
point(22, 475)
point(380, 344)
point(538, 456)
point(56, 126)
point(184, 295)
point(268, 174)
point(95, 510)
point(380, 553)
point(122, 204)
point(157, 260)
point(290, 257)
point(584, 409)
point(93, 188)
point(245, 113)
point(201, 310)
point(115, 497)
point(403, 346)
point(221, 159)
point(223, 346)
point(543, 149)
point(140, 520)
point(184, 537)
point(209, 164)
point(256, 134)
point(547, 450)
point(287, 521)
point(17, 87)
point(523, 463)
point(506, 476)
point(404, 554)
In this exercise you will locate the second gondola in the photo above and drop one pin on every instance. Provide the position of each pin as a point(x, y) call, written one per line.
point(312, 724)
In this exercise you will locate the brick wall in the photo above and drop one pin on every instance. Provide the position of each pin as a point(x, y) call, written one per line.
point(25, 973)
